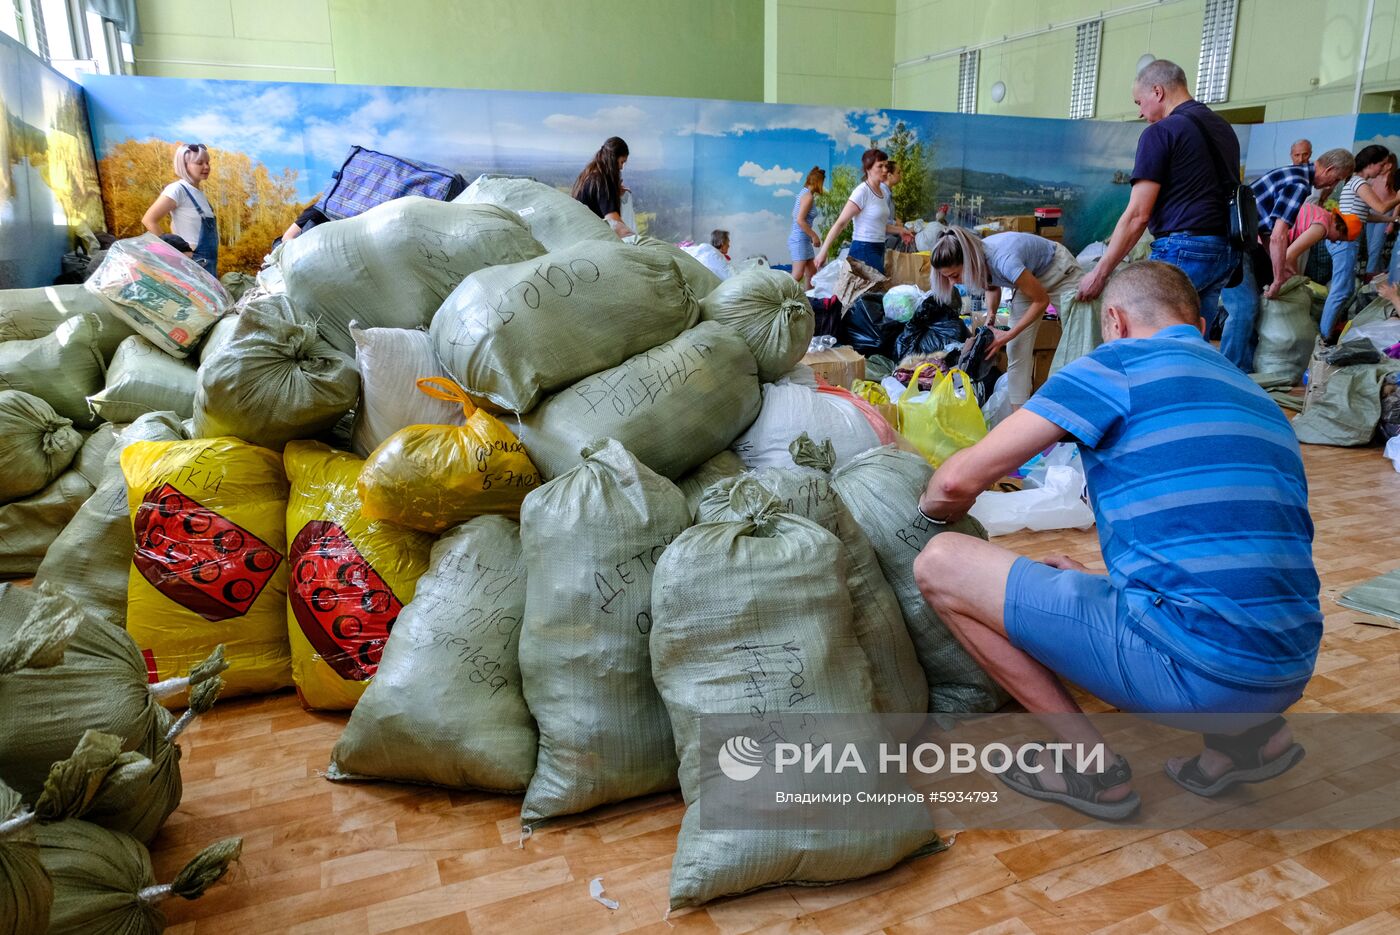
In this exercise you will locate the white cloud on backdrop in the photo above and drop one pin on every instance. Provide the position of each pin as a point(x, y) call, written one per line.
point(784, 193)
point(777, 175)
point(752, 233)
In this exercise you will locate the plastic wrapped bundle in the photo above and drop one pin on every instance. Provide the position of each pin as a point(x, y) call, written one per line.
point(510, 334)
point(555, 219)
point(591, 539)
point(768, 310)
point(393, 265)
point(63, 368)
point(161, 293)
point(673, 406)
point(446, 705)
point(736, 605)
point(274, 380)
point(350, 576)
point(36, 444)
point(90, 560)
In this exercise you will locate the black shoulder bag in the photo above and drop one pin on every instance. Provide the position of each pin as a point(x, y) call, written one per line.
point(1243, 213)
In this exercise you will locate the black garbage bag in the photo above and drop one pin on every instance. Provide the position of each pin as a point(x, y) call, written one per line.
point(934, 326)
point(977, 363)
point(828, 315)
point(865, 328)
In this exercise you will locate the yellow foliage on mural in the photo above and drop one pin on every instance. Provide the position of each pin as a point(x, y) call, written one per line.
point(252, 205)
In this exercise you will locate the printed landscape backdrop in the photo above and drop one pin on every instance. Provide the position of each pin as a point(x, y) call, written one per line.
point(696, 165)
point(48, 179)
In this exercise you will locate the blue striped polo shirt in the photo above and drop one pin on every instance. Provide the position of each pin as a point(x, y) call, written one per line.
point(1198, 487)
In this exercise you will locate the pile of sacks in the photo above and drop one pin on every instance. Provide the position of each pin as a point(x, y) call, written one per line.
point(478, 471)
point(89, 771)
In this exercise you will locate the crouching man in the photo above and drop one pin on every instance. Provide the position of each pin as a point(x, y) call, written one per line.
point(1210, 604)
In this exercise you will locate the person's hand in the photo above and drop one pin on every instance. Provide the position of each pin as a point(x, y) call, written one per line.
point(1272, 291)
point(1064, 563)
point(1091, 285)
point(820, 259)
point(816, 241)
point(1388, 290)
point(999, 340)
point(907, 236)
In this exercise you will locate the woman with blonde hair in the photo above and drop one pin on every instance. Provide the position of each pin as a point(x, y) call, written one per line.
point(870, 212)
point(1037, 268)
point(803, 240)
point(187, 207)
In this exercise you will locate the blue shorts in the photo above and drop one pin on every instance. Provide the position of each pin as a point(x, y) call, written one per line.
point(1080, 626)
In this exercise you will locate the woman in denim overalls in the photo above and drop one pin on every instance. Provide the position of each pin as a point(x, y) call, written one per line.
point(189, 211)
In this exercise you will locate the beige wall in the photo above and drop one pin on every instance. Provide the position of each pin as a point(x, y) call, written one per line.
point(835, 52)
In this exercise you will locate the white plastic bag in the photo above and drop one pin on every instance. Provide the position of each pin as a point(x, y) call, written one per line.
point(789, 409)
point(1392, 451)
point(1057, 504)
point(824, 281)
point(1382, 334)
point(998, 405)
point(712, 258)
point(901, 302)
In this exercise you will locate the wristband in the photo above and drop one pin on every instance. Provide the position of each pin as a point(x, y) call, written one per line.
point(931, 519)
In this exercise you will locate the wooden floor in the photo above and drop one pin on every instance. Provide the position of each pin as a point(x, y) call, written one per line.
point(322, 857)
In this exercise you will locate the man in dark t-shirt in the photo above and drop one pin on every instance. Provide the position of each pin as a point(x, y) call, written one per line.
point(1187, 166)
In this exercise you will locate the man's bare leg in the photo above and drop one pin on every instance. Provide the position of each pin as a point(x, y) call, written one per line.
point(964, 580)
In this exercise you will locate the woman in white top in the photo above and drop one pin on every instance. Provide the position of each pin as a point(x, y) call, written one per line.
point(868, 208)
point(1037, 268)
point(188, 207)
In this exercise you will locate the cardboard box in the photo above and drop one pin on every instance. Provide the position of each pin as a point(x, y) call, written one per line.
point(1021, 223)
point(840, 366)
point(1056, 233)
point(1048, 334)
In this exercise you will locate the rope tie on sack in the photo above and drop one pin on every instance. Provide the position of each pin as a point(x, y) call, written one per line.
point(40, 642)
point(207, 867)
point(807, 453)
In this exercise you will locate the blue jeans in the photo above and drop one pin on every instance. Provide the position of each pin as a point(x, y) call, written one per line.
point(1206, 261)
point(1241, 334)
point(869, 253)
point(1375, 243)
point(1343, 284)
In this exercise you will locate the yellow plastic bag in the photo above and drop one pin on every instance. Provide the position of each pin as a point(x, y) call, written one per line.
point(871, 392)
point(209, 567)
point(944, 422)
point(432, 477)
point(349, 577)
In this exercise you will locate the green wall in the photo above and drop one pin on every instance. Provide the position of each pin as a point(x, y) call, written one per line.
point(832, 52)
point(1292, 58)
point(682, 48)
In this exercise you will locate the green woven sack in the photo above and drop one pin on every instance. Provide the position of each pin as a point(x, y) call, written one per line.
point(274, 381)
point(1080, 330)
point(392, 266)
point(725, 593)
point(1286, 331)
point(103, 883)
point(769, 311)
point(62, 674)
point(36, 444)
point(142, 379)
point(26, 893)
point(591, 539)
point(881, 488)
point(90, 560)
point(693, 485)
point(510, 334)
point(1347, 409)
point(702, 281)
point(26, 314)
point(899, 682)
point(446, 706)
point(674, 406)
point(29, 526)
point(62, 368)
point(555, 219)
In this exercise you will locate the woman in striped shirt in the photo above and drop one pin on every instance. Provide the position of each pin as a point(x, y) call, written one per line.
point(1356, 197)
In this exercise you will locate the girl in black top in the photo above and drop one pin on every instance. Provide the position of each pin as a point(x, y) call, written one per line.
point(599, 185)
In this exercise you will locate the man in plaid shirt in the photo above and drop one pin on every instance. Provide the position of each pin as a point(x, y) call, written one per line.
point(1280, 195)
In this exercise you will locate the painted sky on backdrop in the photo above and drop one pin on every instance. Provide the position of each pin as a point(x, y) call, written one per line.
point(740, 162)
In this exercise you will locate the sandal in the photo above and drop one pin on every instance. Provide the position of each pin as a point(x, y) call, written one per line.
point(1081, 791)
point(1246, 752)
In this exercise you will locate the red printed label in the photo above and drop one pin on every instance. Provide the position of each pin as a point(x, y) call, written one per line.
point(343, 606)
point(199, 559)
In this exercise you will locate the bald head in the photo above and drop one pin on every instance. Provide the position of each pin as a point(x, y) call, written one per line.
point(1149, 296)
point(1300, 153)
